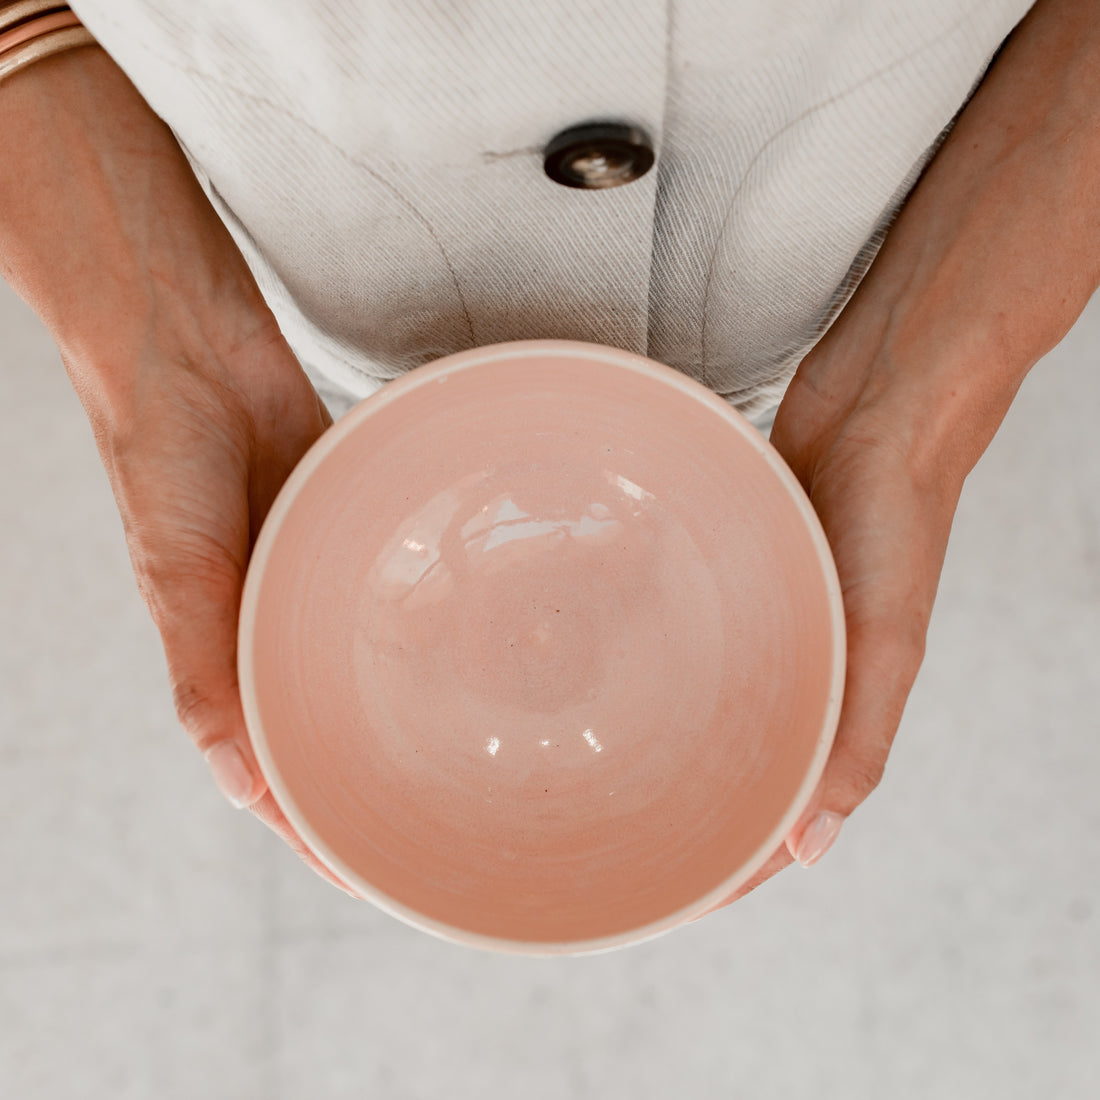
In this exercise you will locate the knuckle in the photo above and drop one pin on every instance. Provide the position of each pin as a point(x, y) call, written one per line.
point(176, 579)
point(204, 715)
point(192, 705)
point(159, 584)
point(864, 774)
point(154, 583)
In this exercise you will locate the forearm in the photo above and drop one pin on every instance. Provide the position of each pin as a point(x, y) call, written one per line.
point(104, 229)
point(992, 258)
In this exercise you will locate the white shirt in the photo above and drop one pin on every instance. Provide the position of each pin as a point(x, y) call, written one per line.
point(380, 165)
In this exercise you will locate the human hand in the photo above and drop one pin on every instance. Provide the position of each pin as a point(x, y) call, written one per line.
point(886, 503)
point(199, 409)
point(886, 512)
point(989, 263)
point(196, 448)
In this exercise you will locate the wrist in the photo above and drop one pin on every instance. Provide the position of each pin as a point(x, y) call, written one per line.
point(919, 372)
point(990, 261)
point(104, 229)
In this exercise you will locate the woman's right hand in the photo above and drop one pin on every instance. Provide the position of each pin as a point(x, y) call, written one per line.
point(199, 409)
point(196, 449)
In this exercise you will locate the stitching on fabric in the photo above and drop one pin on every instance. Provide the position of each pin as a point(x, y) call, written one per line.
point(404, 199)
point(660, 163)
point(226, 211)
point(492, 158)
point(797, 348)
point(877, 75)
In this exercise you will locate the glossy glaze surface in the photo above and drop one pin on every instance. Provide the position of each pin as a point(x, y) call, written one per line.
point(539, 648)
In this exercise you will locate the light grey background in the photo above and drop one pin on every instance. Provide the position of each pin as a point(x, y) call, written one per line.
point(154, 942)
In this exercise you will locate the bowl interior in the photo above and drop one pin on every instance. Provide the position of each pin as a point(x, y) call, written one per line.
point(541, 648)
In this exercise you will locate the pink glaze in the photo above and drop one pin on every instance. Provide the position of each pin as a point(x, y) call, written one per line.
point(542, 648)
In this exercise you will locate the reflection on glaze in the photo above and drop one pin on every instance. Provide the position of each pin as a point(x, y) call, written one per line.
point(539, 621)
point(590, 737)
point(492, 745)
point(420, 564)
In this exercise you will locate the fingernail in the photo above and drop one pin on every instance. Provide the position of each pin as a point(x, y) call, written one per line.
point(230, 772)
point(818, 837)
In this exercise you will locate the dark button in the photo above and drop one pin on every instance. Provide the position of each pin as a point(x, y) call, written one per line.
point(598, 154)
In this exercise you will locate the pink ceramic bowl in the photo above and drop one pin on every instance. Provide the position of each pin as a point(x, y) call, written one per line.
point(542, 648)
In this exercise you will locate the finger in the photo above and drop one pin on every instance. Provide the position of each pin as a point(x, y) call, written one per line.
point(884, 658)
point(888, 526)
point(267, 810)
point(193, 493)
point(183, 502)
point(197, 610)
point(195, 599)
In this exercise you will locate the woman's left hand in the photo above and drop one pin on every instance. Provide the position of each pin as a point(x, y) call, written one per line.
point(886, 510)
point(992, 259)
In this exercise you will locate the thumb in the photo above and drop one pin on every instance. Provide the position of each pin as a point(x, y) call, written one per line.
point(189, 516)
point(187, 529)
point(196, 610)
point(883, 661)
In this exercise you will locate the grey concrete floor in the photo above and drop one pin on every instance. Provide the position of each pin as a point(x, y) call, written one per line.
point(154, 942)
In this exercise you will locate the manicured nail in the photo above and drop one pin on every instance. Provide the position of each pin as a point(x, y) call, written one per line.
point(818, 837)
point(230, 772)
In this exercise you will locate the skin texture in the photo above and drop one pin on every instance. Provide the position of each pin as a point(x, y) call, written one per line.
point(992, 259)
point(200, 410)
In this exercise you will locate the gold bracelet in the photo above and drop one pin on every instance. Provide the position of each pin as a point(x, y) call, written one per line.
point(35, 28)
point(36, 49)
point(22, 10)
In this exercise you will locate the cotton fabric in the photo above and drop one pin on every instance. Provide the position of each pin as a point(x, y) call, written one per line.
point(379, 163)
